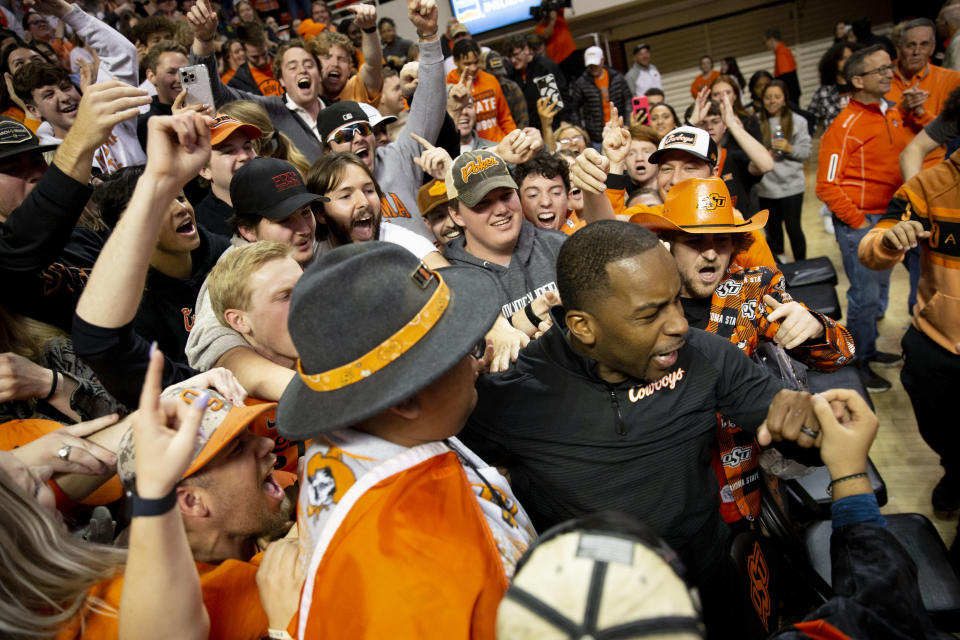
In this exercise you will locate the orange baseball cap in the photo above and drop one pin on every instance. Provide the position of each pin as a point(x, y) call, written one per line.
point(700, 205)
point(224, 125)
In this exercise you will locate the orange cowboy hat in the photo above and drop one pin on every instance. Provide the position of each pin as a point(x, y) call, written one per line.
point(700, 205)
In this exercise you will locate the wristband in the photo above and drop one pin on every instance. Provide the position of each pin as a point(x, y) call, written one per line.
point(53, 387)
point(372, 29)
point(531, 316)
point(426, 36)
point(146, 507)
point(278, 634)
point(616, 181)
point(852, 476)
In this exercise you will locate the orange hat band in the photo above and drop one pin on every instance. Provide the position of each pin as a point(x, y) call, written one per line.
point(387, 351)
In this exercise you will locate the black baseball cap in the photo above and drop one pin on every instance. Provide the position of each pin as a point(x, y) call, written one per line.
point(640, 45)
point(16, 138)
point(269, 188)
point(338, 114)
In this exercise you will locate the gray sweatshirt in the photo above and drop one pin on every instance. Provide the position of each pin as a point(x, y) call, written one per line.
point(395, 170)
point(532, 270)
point(787, 179)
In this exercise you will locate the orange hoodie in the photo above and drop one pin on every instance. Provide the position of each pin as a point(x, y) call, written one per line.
point(858, 168)
point(936, 81)
point(493, 113)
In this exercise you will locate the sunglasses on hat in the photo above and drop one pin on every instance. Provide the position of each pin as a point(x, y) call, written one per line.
point(347, 133)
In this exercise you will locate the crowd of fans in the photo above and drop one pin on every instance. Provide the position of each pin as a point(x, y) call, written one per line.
point(308, 329)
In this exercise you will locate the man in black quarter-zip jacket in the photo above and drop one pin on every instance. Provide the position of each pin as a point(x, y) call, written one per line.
point(615, 407)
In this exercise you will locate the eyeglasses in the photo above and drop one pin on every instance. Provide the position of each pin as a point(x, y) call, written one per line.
point(347, 133)
point(879, 70)
point(569, 140)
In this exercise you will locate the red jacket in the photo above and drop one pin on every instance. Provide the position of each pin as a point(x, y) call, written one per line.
point(858, 169)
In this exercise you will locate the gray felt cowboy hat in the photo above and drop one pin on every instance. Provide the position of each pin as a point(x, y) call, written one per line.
point(373, 326)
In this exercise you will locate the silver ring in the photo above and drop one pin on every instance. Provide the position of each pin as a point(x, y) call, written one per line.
point(810, 432)
point(64, 452)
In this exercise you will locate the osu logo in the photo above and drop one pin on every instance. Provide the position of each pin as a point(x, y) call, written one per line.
point(328, 478)
point(711, 202)
point(759, 584)
point(729, 288)
point(287, 180)
point(737, 456)
point(476, 166)
point(508, 510)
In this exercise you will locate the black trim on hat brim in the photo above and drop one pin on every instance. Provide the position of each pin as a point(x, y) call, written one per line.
point(37, 149)
point(289, 206)
point(656, 155)
point(304, 413)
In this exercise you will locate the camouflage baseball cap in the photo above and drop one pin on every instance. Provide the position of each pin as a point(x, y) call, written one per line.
point(222, 422)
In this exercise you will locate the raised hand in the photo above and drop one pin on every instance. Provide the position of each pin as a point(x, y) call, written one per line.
point(589, 171)
point(103, 106)
point(177, 106)
point(700, 107)
point(365, 15)
point(506, 344)
point(547, 109)
point(177, 147)
point(423, 15)
point(797, 324)
point(459, 95)
point(517, 147)
point(66, 449)
point(164, 434)
point(204, 20)
point(434, 160)
point(616, 140)
point(904, 235)
point(56, 8)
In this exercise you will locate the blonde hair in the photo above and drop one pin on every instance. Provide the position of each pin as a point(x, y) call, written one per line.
point(25, 336)
point(45, 573)
point(578, 129)
point(250, 112)
point(228, 281)
point(320, 46)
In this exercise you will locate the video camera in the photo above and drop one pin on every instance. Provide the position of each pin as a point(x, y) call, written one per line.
point(541, 12)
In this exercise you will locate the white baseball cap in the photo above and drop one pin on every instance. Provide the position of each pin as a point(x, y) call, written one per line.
point(593, 55)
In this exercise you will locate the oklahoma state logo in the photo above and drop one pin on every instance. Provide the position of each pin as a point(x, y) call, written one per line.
point(287, 180)
point(711, 202)
point(328, 478)
point(680, 137)
point(475, 166)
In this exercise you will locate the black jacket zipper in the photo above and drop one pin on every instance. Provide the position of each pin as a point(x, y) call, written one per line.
point(617, 418)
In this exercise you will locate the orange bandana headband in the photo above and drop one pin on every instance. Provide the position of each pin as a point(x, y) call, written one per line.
point(388, 350)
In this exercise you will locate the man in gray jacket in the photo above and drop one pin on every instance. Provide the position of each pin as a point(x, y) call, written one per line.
point(496, 237)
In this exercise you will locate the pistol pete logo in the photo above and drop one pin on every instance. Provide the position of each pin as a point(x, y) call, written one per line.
point(475, 167)
point(287, 180)
point(711, 202)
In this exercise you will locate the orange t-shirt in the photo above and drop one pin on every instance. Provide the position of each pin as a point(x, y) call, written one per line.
point(266, 82)
point(357, 91)
point(784, 61)
point(17, 114)
point(603, 83)
point(229, 592)
point(560, 43)
point(572, 224)
point(227, 75)
point(700, 82)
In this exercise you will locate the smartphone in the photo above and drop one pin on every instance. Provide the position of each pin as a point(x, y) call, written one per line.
point(196, 80)
point(547, 86)
point(641, 110)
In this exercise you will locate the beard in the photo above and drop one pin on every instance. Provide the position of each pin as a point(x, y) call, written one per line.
point(341, 233)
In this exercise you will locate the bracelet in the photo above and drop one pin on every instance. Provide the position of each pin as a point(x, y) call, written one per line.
point(531, 316)
point(852, 476)
point(426, 36)
point(53, 387)
point(616, 181)
point(278, 634)
point(146, 507)
point(372, 29)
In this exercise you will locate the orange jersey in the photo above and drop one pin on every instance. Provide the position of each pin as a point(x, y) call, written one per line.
point(266, 82)
point(560, 44)
point(938, 82)
point(493, 113)
point(858, 168)
point(784, 61)
point(572, 224)
point(227, 75)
